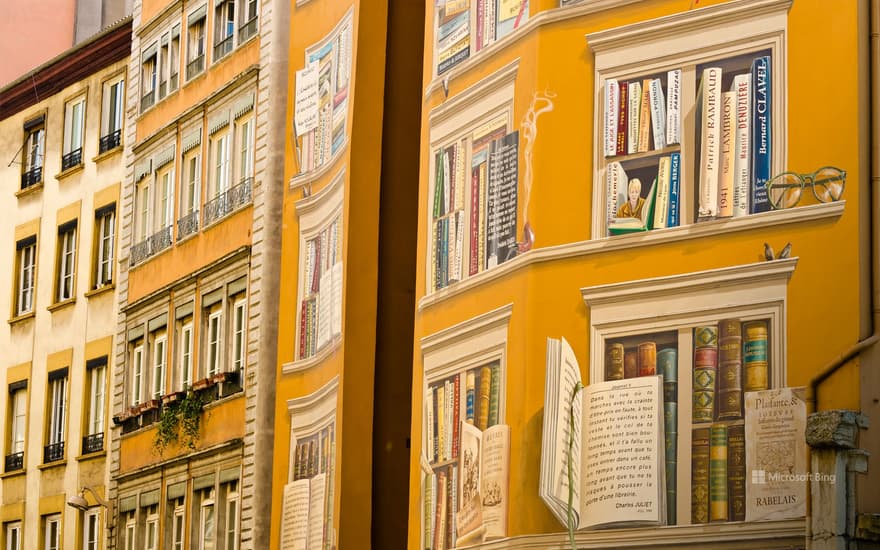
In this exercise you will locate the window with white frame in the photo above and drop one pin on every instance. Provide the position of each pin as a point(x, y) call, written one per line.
point(91, 529)
point(144, 210)
point(247, 20)
point(220, 165)
point(224, 27)
point(33, 151)
point(130, 526)
point(165, 197)
point(206, 518)
point(151, 528)
point(184, 376)
point(26, 266)
point(13, 535)
point(230, 495)
point(239, 334)
point(245, 137)
point(160, 341)
point(195, 42)
point(214, 341)
point(96, 376)
point(174, 59)
point(178, 522)
point(105, 246)
point(192, 175)
point(74, 124)
point(18, 426)
point(112, 112)
point(52, 532)
point(138, 363)
point(149, 71)
point(57, 415)
point(66, 262)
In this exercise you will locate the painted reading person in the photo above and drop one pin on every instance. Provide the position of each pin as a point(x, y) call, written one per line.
point(632, 208)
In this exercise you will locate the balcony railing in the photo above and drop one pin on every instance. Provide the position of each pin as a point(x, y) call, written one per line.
point(195, 66)
point(14, 462)
point(93, 443)
point(32, 177)
point(155, 243)
point(188, 225)
point(247, 30)
point(110, 141)
point(148, 99)
point(223, 47)
point(53, 452)
point(229, 201)
point(71, 159)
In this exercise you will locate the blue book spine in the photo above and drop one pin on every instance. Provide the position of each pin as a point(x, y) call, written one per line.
point(761, 133)
point(674, 187)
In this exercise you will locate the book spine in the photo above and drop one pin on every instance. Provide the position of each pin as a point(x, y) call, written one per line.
point(437, 410)
point(705, 371)
point(742, 85)
point(474, 234)
point(459, 175)
point(429, 425)
point(490, 22)
point(762, 134)
point(661, 203)
point(483, 401)
point(755, 356)
point(725, 178)
point(494, 395)
point(634, 98)
point(427, 512)
point(436, 259)
point(622, 108)
point(483, 210)
point(459, 243)
point(440, 538)
point(730, 396)
point(453, 504)
point(444, 252)
point(718, 502)
point(674, 190)
point(667, 363)
point(645, 118)
point(441, 422)
point(658, 113)
point(456, 418)
point(481, 23)
point(470, 394)
point(647, 359)
point(673, 107)
point(611, 97)
point(709, 149)
point(736, 472)
point(614, 362)
point(630, 363)
point(615, 181)
point(302, 329)
point(700, 476)
point(450, 425)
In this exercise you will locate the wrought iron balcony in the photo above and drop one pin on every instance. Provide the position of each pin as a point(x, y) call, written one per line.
point(148, 99)
point(188, 225)
point(71, 159)
point(223, 47)
point(228, 202)
point(53, 452)
point(14, 462)
point(32, 177)
point(110, 141)
point(93, 443)
point(247, 30)
point(155, 243)
point(195, 66)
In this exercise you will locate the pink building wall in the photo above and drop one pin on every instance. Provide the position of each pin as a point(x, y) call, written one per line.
point(33, 32)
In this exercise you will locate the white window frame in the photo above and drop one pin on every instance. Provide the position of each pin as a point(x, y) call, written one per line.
point(221, 163)
point(91, 529)
point(138, 361)
point(214, 339)
point(35, 147)
point(65, 285)
point(50, 522)
point(174, 59)
point(165, 197)
point(196, 40)
point(222, 10)
point(113, 106)
point(179, 515)
point(160, 353)
point(13, 535)
point(151, 527)
point(239, 334)
point(97, 398)
point(207, 531)
point(192, 186)
point(106, 244)
point(231, 527)
point(57, 410)
point(245, 149)
point(245, 17)
point(130, 531)
point(18, 428)
point(150, 74)
point(145, 213)
point(27, 267)
point(186, 355)
point(74, 124)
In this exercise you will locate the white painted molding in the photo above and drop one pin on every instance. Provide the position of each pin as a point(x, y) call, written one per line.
point(298, 180)
point(496, 317)
point(312, 412)
point(501, 78)
point(302, 365)
point(329, 194)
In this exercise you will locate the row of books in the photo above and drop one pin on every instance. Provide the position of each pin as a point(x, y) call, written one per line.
point(628, 212)
point(641, 116)
point(718, 473)
point(470, 25)
point(312, 455)
point(736, 141)
point(307, 514)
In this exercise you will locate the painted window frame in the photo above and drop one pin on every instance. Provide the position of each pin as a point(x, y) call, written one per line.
point(12, 532)
point(18, 409)
point(56, 405)
point(33, 154)
point(238, 334)
point(138, 363)
point(112, 113)
point(52, 525)
point(184, 376)
point(160, 363)
point(214, 341)
point(26, 275)
point(105, 246)
point(96, 375)
point(244, 139)
point(91, 529)
point(149, 75)
point(196, 41)
point(74, 131)
point(65, 272)
point(151, 527)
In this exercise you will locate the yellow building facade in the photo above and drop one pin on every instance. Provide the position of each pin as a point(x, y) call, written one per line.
point(517, 240)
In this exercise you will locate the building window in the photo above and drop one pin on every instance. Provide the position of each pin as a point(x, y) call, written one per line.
point(137, 372)
point(186, 355)
point(144, 212)
point(152, 527)
point(224, 28)
point(221, 164)
point(178, 524)
point(96, 375)
point(245, 136)
point(164, 54)
point(248, 20)
point(66, 261)
point(130, 530)
point(188, 223)
point(214, 342)
point(57, 415)
point(105, 222)
point(91, 530)
point(33, 151)
point(52, 532)
point(195, 42)
point(149, 70)
point(159, 349)
point(206, 519)
point(13, 535)
point(17, 426)
point(165, 199)
point(239, 334)
point(230, 528)
point(112, 111)
point(26, 265)
point(74, 116)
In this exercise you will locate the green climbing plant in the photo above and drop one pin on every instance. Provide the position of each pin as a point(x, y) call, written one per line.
point(180, 422)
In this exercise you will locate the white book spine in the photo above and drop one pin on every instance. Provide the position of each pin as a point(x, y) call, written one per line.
point(673, 107)
point(612, 97)
point(658, 113)
point(710, 150)
point(633, 97)
point(459, 243)
point(725, 178)
point(742, 85)
point(616, 181)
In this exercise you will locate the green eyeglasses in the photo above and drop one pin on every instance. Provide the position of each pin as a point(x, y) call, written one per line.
point(784, 190)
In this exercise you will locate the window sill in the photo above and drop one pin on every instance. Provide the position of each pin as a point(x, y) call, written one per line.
point(196, 77)
point(301, 365)
point(108, 153)
point(70, 171)
point(21, 318)
point(305, 178)
point(100, 290)
point(714, 228)
point(33, 189)
point(91, 456)
point(60, 463)
point(14, 473)
point(61, 305)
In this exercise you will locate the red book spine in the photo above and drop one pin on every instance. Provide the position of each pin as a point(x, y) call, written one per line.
point(302, 330)
point(456, 420)
point(474, 263)
point(621, 119)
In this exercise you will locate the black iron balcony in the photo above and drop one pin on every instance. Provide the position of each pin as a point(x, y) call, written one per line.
point(110, 141)
point(188, 225)
point(195, 66)
point(32, 177)
point(14, 462)
point(223, 47)
point(247, 30)
point(155, 243)
point(148, 99)
point(71, 159)
point(53, 452)
point(93, 443)
point(228, 202)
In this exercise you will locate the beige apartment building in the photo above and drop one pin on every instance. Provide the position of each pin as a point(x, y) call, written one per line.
point(61, 143)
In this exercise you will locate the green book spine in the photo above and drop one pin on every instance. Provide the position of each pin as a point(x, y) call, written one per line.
point(705, 371)
point(438, 185)
point(700, 476)
point(736, 472)
point(667, 363)
point(494, 393)
point(427, 512)
point(718, 501)
point(755, 356)
point(614, 362)
point(730, 395)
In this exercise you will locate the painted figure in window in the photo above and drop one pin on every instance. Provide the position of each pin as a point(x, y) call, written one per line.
point(632, 208)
